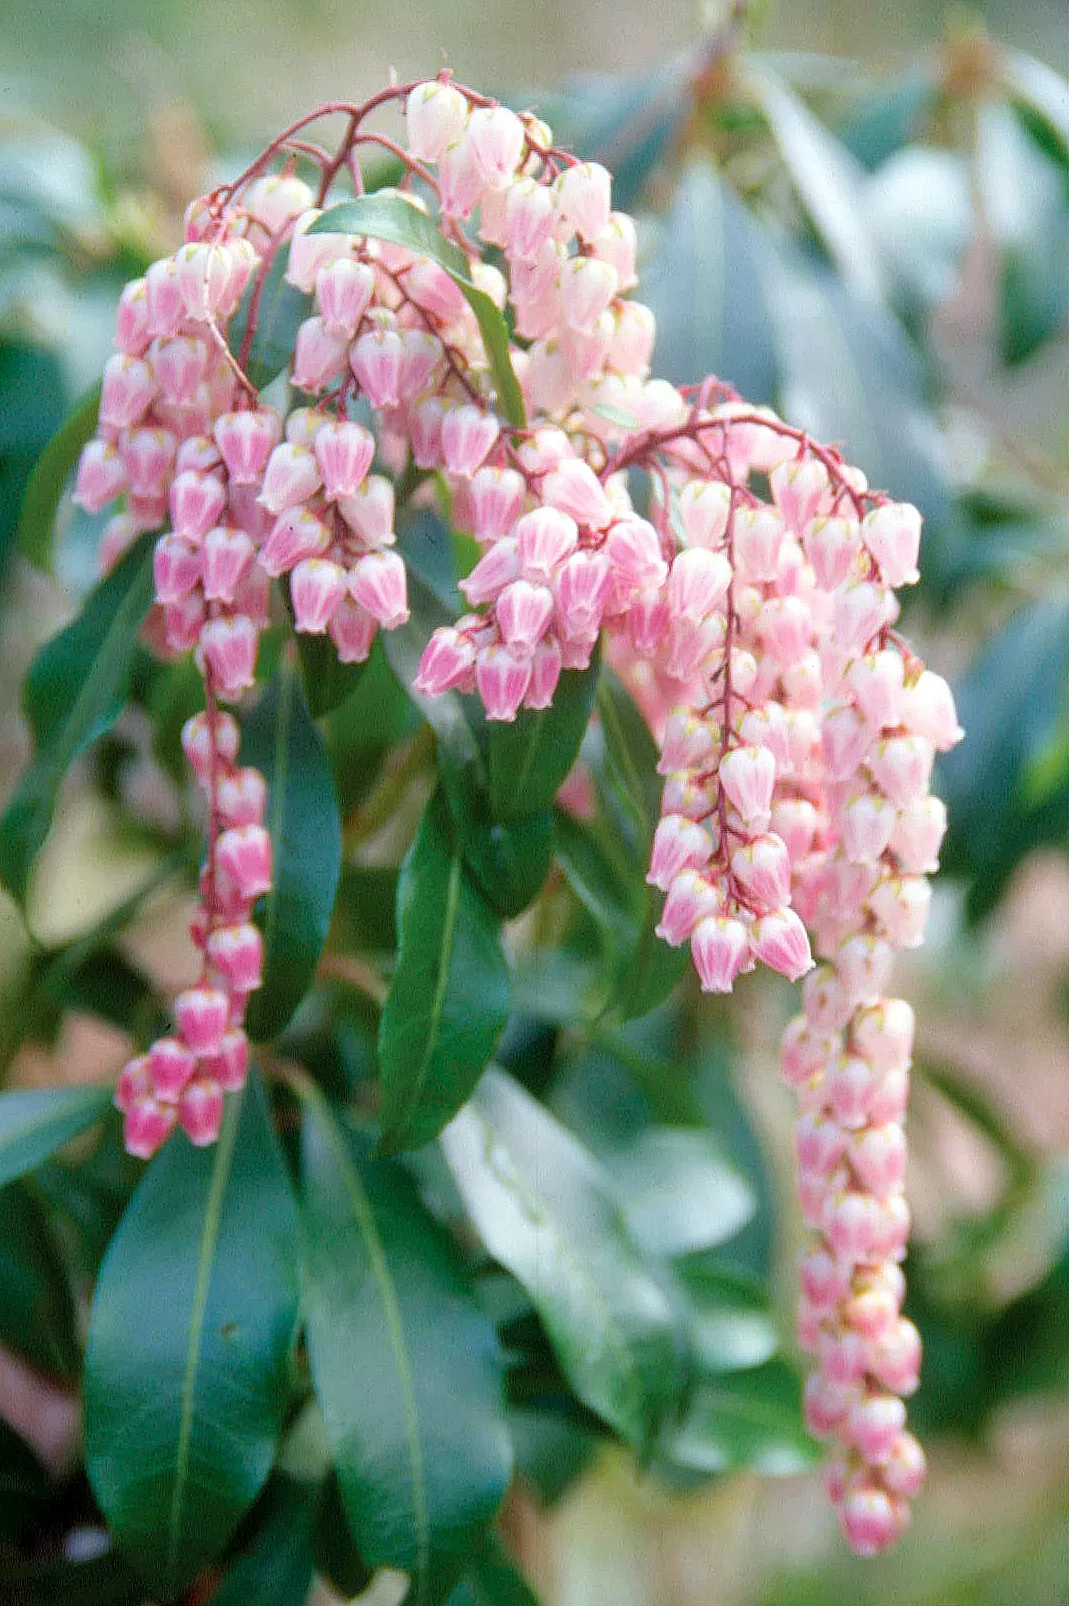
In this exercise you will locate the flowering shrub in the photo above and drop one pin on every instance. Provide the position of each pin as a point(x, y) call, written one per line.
point(327, 387)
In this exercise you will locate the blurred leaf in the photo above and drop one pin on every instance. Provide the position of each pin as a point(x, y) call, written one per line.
point(705, 285)
point(36, 1122)
point(281, 740)
point(389, 215)
point(528, 760)
point(280, 310)
point(336, 1557)
point(276, 1568)
point(24, 1484)
point(449, 998)
point(181, 1426)
point(547, 1211)
point(328, 683)
point(731, 1326)
point(1041, 94)
point(746, 1419)
point(1011, 703)
point(1025, 1349)
point(107, 985)
point(889, 118)
point(829, 182)
point(492, 1580)
point(920, 209)
point(75, 690)
point(101, 1581)
point(405, 1366)
point(48, 481)
point(678, 1192)
point(37, 1316)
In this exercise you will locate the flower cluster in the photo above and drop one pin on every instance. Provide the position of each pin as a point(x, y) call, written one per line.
point(741, 577)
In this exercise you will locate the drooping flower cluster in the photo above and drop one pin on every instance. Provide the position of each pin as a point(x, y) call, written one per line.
point(741, 577)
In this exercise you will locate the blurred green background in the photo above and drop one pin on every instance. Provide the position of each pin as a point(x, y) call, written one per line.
point(880, 248)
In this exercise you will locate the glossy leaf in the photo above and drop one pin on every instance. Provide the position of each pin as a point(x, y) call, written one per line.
point(449, 997)
point(327, 681)
point(35, 1122)
point(746, 1419)
point(49, 479)
point(280, 310)
point(276, 1568)
point(389, 215)
point(37, 1316)
point(405, 1366)
point(280, 738)
point(678, 1192)
point(710, 248)
point(493, 1580)
point(529, 759)
point(75, 690)
point(546, 1210)
point(181, 1425)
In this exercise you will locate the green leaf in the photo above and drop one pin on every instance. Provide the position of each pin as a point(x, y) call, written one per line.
point(678, 1192)
point(37, 1316)
point(35, 1123)
point(276, 1568)
point(406, 1367)
point(746, 1419)
point(731, 1327)
point(889, 117)
point(327, 681)
point(75, 690)
point(101, 1581)
point(1040, 93)
point(547, 1211)
point(190, 1338)
point(706, 286)
point(529, 759)
point(389, 215)
point(1012, 704)
point(24, 1484)
point(493, 1580)
point(828, 180)
point(280, 738)
point(49, 479)
point(280, 310)
point(449, 998)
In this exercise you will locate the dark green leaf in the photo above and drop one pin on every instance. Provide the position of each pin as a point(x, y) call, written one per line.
point(24, 1483)
point(37, 1317)
point(327, 681)
point(706, 285)
point(102, 1581)
point(35, 1123)
point(492, 1580)
point(406, 1367)
point(49, 479)
point(389, 215)
point(181, 1425)
point(547, 1211)
point(280, 739)
point(280, 310)
point(529, 759)
point(336, 1556)
point(731, 1326)
point(746, 1419)
point(75, 690)
point(107, 985)
point(449, 998)
point(276, 1568)
point(678, 1192)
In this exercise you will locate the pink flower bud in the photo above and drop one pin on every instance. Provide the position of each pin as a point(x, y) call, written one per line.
point(574, 488)
point(825, 1001)
point(229, 1066)
point(436, 114)
point(698, 581)
point(884, 1034)
point(244, 853)
point(246, 441)
point(872, 1311)
point(170, 1064)
point(586, 291)
point(757, 537)
point(319, 355)
point(902, 768)
point(295, 534)
point(928, 711)
point(864, 965)
point(200, 1113)
point(582, 587)
point(720, 950)
point(146, 1127)
point(918, 835)
point(846, 740)
point(826, 1404)
point(127, 391)
point(892, 534)
point(851, 1222)
point(370, 511)
point(134, 1083)
point(317, 586)
point(546, 664)
point(378, 584)
point(634, 550)
point(889, 1097)
point(545, 538)
point(878, 1158)
point(229, 647)
point(895, 1357)
point(795, 820)
point(858, 614)
point(865, 827)
point(703, 510)
point(182, 622)
point(747, 776)
point(497, 143)
point(904, 1468)
point(132, 320)
point(242, 797)
point(690, 900)
point(343, 453)
point(237, 953)
point(832, 547)
point(872, 1520)
point(843, 1357)
point(763, 870)
point(197, 742)
point(824, 1280)
point(617, 244)
point(447, 662)
point(502, 675)
point(376, 360)
point(459, 178)
point(529, 219)
point(583, 197)
point(806, 1051)
point(688, 742)
point(175, 569)
point(523, 613)
point(352, 630)
point(468, 435)
point(784, 626)
point(197, 502)
point(901, 907)
point(225, 559)
point(425, 428)
point(101, 476)
point(875, 683)
point(165, 303)
point(310, 253)
point(779, 940)
point(797, 489)
point(179, 363)
point(202, 1014)
point(344, 289)
point(203, 276)
point(678, 844)
point(290, 478)
point(819, 1143)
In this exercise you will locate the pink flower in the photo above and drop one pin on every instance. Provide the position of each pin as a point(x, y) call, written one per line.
point(892, 534)
point(344, 289)
point(291, 476)
point(376, 360)
point(225, 559)
point(197, 502)
point(523, 612)
point(779, 940)
point(678, 844)
point(468, 435)
point(497, 141)
point(583, 199)
point(229, 646)
point(202, 1014)
point(237, 953)
point(573, 488)
point(763, 870)
point(200, 1112)
point(295, 534)
point(319, 355)
point(101, 476)
point(502, 675)
point(720, 950)
point(127, 391)
point(244, 853)
point(175, 568)
point(436, 115)
point(352, 630)
point(378, 584)
point(747, 775)
point(147, 1125)
point(246, 441)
